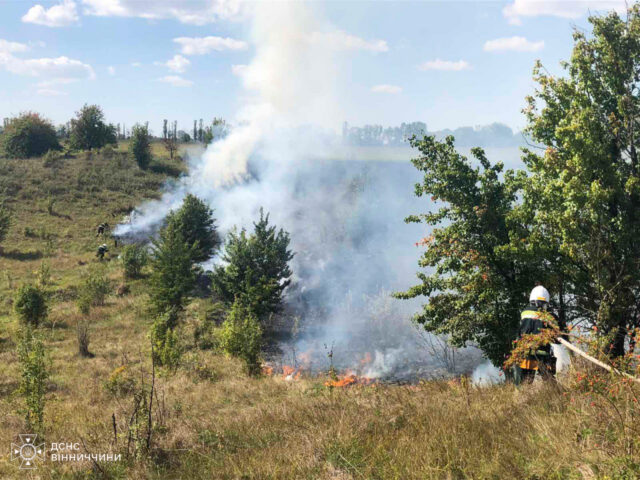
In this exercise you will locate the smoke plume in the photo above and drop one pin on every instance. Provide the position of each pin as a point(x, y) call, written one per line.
point(345, 214)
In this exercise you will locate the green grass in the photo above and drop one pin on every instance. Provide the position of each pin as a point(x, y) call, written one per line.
point(211, 421)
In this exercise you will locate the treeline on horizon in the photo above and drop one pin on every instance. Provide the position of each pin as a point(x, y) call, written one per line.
point(493, 135)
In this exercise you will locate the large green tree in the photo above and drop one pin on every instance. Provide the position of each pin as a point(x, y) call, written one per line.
point(140, 146)
point(195, 220)
point(476, 275)
point(28, 135)
point(257, 268)
point(585, 185)
point(89, 130)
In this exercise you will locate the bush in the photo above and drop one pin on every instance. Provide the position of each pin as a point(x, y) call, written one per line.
point(94, 290)
point(30, 304)
point(241, 336)
point(82, 331)
point(195, 220)
point(28, 135)
point(209, 316)
point(33, 364)
point(88, 129)
point(5, 220)
point(134, 257)
point(120, 381)
point(167, 350)
point(52, 159)
point(140, 146)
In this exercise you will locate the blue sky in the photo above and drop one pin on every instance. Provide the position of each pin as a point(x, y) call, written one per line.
point(448, 63)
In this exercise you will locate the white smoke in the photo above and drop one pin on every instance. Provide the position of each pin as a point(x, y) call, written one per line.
point(345, 217)
point(486, 374)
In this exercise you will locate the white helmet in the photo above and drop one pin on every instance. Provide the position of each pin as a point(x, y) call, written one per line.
point(539, 294)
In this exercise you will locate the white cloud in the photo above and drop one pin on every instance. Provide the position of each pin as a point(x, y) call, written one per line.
point(204, 45)
point(56, 81)
point(12, 47)
point(557, 8)
point(513, 44)
point(393, 89)
point(445, 65)
point(196, 12)
point(176, 64)
point(176, 81)
point(339, 40)
point(238, 70)
point(61, 15)
point(48, 92)
point(136, 64)
point(111, 70)
point(60, 67)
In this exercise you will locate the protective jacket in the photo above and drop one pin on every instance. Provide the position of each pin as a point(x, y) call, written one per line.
point(532, 321)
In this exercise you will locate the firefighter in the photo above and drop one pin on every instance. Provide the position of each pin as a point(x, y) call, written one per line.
point(533, 319)
point(102, 249)
point(101, 229)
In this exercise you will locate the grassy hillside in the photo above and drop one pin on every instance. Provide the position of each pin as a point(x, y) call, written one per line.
point(211, 421)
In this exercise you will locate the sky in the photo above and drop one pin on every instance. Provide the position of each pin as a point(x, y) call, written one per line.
point(446, 63)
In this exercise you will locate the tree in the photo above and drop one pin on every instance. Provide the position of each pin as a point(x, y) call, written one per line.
point(194, 219)
point(140, 146)
point(30, 304)
point(585, 186)
point(207, 137)
point(171, 145)
point(257, 268)
point(165, 130)
point(478, 277)
point(89, 130)
point(28, 135)
point(173, 275)
point(5, 220)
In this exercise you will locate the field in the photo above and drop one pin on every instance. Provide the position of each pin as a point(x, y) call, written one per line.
point(212, 421)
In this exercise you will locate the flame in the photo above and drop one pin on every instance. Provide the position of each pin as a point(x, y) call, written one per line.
point(291, 373)
point(349, 379)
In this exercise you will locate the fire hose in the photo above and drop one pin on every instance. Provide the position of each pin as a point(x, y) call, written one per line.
point(585, 355)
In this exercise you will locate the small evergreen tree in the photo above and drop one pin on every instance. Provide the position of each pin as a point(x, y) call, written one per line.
point(257, 270)
point(28, 135)
point(173, 276)
point(194, 219)
point(140, 146)
point(30, 304)
point(34, 374)
point(89, 130)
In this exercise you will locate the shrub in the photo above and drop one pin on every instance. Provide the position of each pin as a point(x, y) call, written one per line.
point(120, 381)
point(82, 332)
point(28, 135)
point(94, 289)
point(134, 257)
point(34, 374)
point(167, 350)
point(241, 336)
point(88, 129)
point(5, 220)
point(209, 316)
point(30, 304)
point(140, 146)
point(52, 159)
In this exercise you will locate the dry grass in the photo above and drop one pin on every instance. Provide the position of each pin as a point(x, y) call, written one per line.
point(214, 422)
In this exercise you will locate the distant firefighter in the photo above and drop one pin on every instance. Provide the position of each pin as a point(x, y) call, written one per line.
point(101, 229)
point(102, 249)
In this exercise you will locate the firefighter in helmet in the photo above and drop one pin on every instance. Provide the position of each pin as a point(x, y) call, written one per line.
point(533, 320)
point(102, 249)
